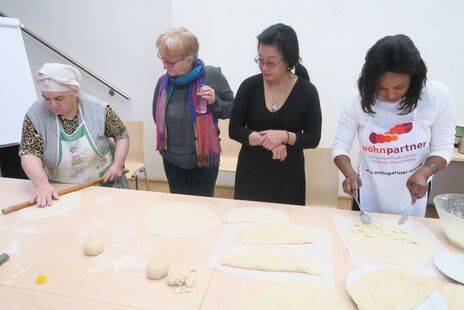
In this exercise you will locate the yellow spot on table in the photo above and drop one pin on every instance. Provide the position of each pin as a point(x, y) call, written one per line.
point(41, 279)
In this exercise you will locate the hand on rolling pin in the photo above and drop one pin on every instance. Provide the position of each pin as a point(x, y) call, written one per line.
point(279, 152)
point(113, 173)
point(44, 194)
point(351, 184)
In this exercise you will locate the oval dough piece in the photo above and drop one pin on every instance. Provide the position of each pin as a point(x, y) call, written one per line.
point(255, 215)
point(63, 205)
point(180, 219)
point(270, 234)
point(157, 268)
point(297, 295)
point(93, 247)
point(390, 243)
point(272, 259)
point(390, 289)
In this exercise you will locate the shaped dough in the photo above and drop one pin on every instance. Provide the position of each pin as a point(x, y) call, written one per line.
point(297, 295)
point(255, 215)
point(270, 234)
point(180, 219)
point(157, 268)
point(390, 289)
point(272, 259)
point(93, 247)
point(390, 243)
point(63, 205)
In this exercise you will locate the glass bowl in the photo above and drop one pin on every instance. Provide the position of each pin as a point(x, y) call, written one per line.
point(450, 208)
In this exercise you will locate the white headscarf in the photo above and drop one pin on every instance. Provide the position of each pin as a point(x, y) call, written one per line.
point(57, 77)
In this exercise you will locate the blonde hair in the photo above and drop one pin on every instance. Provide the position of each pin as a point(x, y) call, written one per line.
point(177, 43)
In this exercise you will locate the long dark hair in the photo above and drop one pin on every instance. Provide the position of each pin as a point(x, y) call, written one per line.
point(396, 54)
point(284, 38)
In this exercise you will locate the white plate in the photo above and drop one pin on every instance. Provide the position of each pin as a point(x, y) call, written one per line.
point(434, 301)
point(451, 264)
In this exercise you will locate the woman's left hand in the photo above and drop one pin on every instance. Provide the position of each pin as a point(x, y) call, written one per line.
point(417, 185)
point(279, 152)
point(206, 92)
point(273, 138)
point(113, 173)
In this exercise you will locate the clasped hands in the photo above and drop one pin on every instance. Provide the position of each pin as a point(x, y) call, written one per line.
point(274, 141)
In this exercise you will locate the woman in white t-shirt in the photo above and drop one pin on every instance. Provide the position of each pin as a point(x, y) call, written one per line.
point(404, 126)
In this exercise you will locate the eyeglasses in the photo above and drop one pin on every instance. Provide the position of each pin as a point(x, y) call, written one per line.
point(167, 63)
point(269, 64)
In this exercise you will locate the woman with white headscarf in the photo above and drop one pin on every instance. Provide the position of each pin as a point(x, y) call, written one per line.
point(66, 136)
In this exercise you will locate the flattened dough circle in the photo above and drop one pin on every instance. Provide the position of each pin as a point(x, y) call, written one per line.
point(63, 205)
point(180, 219)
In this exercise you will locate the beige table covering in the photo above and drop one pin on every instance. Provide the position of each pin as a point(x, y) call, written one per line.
point(115, 279)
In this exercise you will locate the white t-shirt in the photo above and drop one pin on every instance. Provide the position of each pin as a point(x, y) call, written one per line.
point(435, 108)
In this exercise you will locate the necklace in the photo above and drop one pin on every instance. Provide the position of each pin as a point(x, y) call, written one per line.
point(274, 106)
point(276, 101)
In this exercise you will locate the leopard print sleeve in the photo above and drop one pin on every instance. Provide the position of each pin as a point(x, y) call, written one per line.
point(114, 127)
point(31, 141)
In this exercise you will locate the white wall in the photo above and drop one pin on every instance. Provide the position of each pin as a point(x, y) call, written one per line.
point(334, 37)
point(115, 38)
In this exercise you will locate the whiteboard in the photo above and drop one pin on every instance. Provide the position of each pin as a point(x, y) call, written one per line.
point(17, 91)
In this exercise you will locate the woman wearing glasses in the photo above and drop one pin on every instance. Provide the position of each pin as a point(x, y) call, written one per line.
point(189, 99)
point(276, 115)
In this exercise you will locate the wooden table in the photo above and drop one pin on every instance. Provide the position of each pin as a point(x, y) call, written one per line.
point(116, 278)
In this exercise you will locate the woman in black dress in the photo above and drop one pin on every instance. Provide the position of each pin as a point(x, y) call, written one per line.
point(276, 114)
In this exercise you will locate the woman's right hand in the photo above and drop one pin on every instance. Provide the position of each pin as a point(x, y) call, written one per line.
point(351, 184)
point(44, 194)
point(255, 139)
point(279, 152)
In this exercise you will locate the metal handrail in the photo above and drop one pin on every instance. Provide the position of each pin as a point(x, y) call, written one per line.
point(74, 62)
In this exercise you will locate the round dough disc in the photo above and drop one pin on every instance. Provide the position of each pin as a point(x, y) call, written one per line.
point(63, 205)
point(255, 215)
point(180, 219)
point(391, 244)
point(384, 289)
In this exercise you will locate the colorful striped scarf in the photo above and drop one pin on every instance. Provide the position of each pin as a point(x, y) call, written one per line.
point(206, 138)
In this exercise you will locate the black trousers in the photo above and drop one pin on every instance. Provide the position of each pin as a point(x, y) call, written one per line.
point(355, 207)
point(195, 181)
point(10, 163)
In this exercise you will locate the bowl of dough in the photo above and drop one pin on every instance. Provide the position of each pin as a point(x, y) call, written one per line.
point(450, 208)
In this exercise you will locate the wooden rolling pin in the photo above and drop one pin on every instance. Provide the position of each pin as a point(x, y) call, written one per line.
point(61, 192)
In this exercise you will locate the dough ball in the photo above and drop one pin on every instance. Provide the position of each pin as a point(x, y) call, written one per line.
point(157, 268)
point(93, 247)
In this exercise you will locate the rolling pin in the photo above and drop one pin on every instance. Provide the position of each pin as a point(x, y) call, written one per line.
point(61, 192)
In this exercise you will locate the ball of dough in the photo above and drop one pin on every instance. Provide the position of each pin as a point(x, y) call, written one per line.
point(93, 247)
point(157, 268)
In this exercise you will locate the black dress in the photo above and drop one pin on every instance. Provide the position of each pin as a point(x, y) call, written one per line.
point(258, 176)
